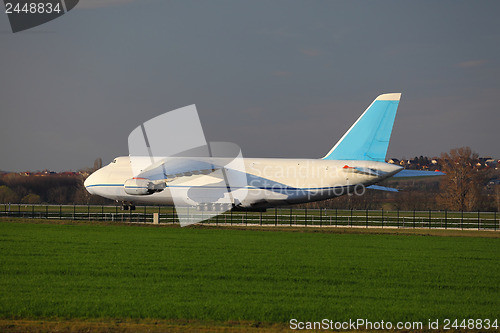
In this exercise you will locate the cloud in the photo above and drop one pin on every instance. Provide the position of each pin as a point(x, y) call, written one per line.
point(471, 63)
point(311, 52)
point(90, 4)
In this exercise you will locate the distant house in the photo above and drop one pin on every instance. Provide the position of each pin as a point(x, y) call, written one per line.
point(68, 173)
point(491, 162)
point(482, 161)
point(494, 182)
point(393, 161)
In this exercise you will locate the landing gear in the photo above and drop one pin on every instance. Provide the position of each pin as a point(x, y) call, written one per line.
point(128, 206)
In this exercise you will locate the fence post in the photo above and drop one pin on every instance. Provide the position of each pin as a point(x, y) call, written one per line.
point(32, 211)
point(462, 220)
point(446, 218)
point(397, 221)
point(430, 218)
point(320, 217)
point(305, 217)
point(478, 221)
point(382, 218)
point(351, 217)
point(246, 218)
point(275, 217)
point(335, 216)
point(414, 219)
point(495, 221)
point(290, 217)
point(46, 212)
point(366, 220)
point(261, 218)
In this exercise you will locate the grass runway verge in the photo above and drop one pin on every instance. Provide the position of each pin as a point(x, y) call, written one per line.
point(90, 271)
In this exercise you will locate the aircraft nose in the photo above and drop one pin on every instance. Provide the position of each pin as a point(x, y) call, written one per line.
point(90, 183)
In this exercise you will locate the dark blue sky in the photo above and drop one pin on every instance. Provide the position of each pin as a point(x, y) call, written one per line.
point(279, 78)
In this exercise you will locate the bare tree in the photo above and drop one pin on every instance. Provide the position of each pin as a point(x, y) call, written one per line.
point(97, 164)
point(461, 187)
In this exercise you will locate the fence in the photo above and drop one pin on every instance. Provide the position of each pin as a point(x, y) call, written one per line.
point(277, 217)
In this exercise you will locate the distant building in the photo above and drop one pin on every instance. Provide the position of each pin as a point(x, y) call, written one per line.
point(491, 162)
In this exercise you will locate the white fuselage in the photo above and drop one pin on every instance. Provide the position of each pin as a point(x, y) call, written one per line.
point(269, 182)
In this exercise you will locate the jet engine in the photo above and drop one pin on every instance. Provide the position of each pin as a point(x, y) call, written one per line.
point(141, 186)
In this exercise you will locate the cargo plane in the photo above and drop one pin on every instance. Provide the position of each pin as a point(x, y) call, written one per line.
point(229, 181)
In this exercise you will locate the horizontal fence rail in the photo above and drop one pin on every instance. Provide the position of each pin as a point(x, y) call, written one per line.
point(276, 216)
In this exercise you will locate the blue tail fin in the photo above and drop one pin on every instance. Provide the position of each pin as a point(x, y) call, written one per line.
point(368, 138)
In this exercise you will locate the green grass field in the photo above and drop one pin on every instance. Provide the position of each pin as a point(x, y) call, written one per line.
point(90, 271)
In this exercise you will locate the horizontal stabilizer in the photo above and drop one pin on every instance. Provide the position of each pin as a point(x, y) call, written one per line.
point(382, 188)
point(418, 173)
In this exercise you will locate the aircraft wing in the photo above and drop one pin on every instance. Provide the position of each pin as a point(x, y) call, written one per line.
point(178, 167)
point(418, 173)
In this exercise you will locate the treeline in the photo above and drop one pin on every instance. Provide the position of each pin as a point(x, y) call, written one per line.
point(413, 195)
point(52, 189)
point(420, 194)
